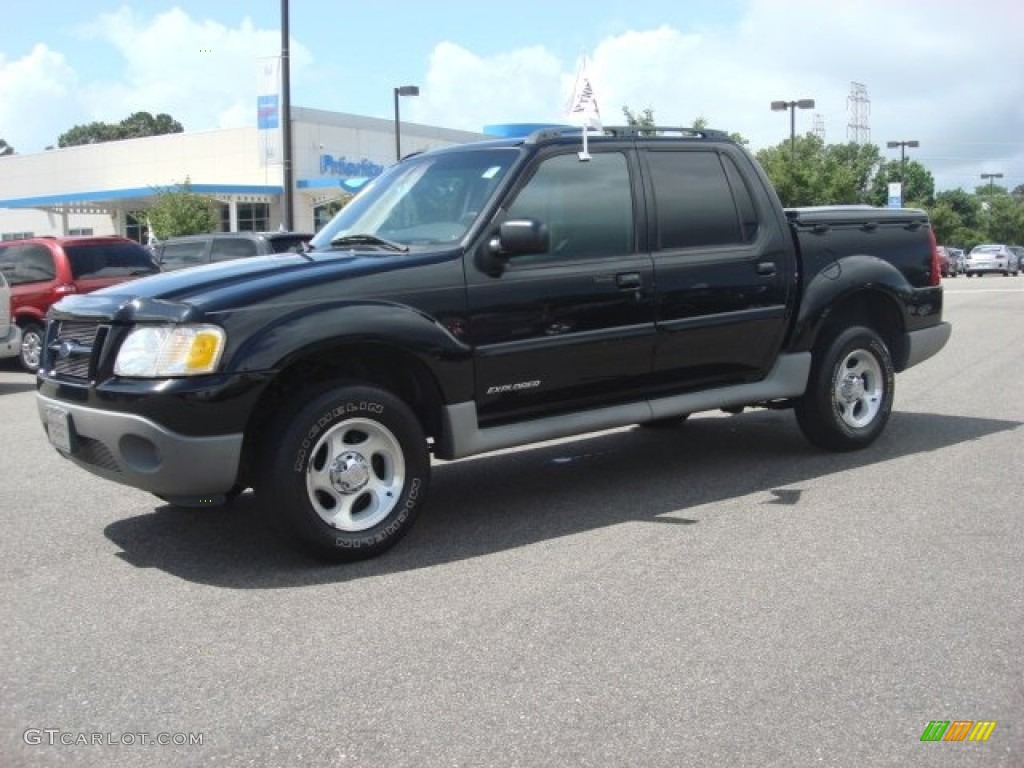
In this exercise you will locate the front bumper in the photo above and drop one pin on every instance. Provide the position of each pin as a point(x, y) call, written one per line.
point(136, 451)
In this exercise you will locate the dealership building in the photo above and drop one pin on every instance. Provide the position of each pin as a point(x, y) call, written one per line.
point(104, 189)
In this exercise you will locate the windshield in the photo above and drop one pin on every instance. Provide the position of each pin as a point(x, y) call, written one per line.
point(425, 200)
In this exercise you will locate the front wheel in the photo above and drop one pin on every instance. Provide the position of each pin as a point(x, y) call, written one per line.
point(850, 392)
point(31, 355)
point(345, 471)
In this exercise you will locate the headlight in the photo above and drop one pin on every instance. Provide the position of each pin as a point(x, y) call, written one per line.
point(171, 350)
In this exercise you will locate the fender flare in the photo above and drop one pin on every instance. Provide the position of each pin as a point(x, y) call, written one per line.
point(846, 280)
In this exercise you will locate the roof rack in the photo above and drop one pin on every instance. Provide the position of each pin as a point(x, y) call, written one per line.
point(628, 131)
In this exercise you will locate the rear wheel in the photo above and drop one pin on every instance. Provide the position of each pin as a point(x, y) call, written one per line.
point(850, 392)
point(32, 339)
point(345, 471)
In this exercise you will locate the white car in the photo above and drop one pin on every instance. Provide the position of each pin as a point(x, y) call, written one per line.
point(991, 258)
point(10, 333)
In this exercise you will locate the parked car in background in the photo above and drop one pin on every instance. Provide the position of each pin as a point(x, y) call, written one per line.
point(956, 257)
point(947, 266)
point(984, 259)
point(42, 270)
point(10, 333)
point(1018, 251)
point(195, 250)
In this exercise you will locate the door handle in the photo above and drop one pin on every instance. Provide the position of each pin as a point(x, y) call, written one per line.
point(629, 281)
point(766, 268)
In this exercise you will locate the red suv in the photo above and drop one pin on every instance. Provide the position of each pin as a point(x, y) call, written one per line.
point(42, 270)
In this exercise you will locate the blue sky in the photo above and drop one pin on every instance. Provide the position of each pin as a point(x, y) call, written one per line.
point(946, 73)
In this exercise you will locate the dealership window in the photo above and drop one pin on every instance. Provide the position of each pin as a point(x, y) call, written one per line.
point(253, 217)
point(80, 231)
point(135, 226)
point(16, 235)
point(224, 211)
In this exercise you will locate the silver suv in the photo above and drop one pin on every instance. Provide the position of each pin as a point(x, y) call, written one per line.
point(991, 258)
point(10, 333)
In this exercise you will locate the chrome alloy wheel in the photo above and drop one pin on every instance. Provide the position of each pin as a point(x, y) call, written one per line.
point(858, 389)
point(355, 474)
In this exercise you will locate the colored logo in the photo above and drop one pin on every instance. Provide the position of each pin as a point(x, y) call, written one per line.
point(958, 730)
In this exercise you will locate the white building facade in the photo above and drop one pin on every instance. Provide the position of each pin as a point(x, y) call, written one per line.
point(104, 189)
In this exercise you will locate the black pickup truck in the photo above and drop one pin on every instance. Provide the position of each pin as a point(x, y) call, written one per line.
point(485, 296)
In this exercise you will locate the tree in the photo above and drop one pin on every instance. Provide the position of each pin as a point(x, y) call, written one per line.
point(645, 121)
point(180, 211)
point(956, 218)
point(5, 148)
point(1003, 220)
point(918, 183)
point(134, 126)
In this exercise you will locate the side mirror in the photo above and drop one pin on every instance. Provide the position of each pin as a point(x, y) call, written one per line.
point(515, 237)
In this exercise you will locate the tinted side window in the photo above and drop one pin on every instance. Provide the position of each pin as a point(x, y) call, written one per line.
point(286, 243)
point(227, 248)
point(22, 264)
point(588, 206)
point(109, 260)
point(181, 255)
point(694, 201)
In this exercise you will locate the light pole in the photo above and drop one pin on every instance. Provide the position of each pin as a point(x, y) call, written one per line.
point(402, 90)
point(990, 177)
point(288, 197)
point(903, 155)
point(792, 106)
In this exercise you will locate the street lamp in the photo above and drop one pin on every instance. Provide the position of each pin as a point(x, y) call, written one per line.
point(990, 177)
point(792, 106)
point(402, 90)
point(903, 155)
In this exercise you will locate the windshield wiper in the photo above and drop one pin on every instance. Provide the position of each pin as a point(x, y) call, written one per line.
point(390, 245)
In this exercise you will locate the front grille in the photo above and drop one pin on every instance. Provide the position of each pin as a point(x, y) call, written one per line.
point(74, 348)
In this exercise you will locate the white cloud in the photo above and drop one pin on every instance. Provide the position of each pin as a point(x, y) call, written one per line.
point(464, 90)
point(36, 89)
point(946, 74)
point(203, 73)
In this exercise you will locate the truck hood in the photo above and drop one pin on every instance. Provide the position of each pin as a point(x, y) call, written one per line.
point(187, 295)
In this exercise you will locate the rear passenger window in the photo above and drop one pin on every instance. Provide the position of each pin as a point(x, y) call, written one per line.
point(225, 249)
point(695, 202)
point(23, 264)
point(181, 255)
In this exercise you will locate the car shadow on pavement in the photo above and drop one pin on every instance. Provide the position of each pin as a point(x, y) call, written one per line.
point(16, 387)
point(498, 502)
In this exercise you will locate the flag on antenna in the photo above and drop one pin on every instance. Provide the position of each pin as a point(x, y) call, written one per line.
point(583, 104)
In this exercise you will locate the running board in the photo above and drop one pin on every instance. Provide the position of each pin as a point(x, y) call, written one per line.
point(463, 436)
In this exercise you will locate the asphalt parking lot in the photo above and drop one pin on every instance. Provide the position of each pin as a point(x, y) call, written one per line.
point(722, 594)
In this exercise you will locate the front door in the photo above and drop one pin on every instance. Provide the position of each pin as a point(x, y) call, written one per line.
point(575, 324)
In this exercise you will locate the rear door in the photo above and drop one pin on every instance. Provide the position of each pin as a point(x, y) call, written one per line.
point(723, 264)
point(31, 271)
point(575, 324)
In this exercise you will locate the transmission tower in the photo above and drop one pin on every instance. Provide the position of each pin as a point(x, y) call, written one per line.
point(859, 106)
point(819, 126)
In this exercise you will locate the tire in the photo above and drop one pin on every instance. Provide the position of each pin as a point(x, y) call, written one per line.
point(345, 471)
point(850, 393)
point(32, 339)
